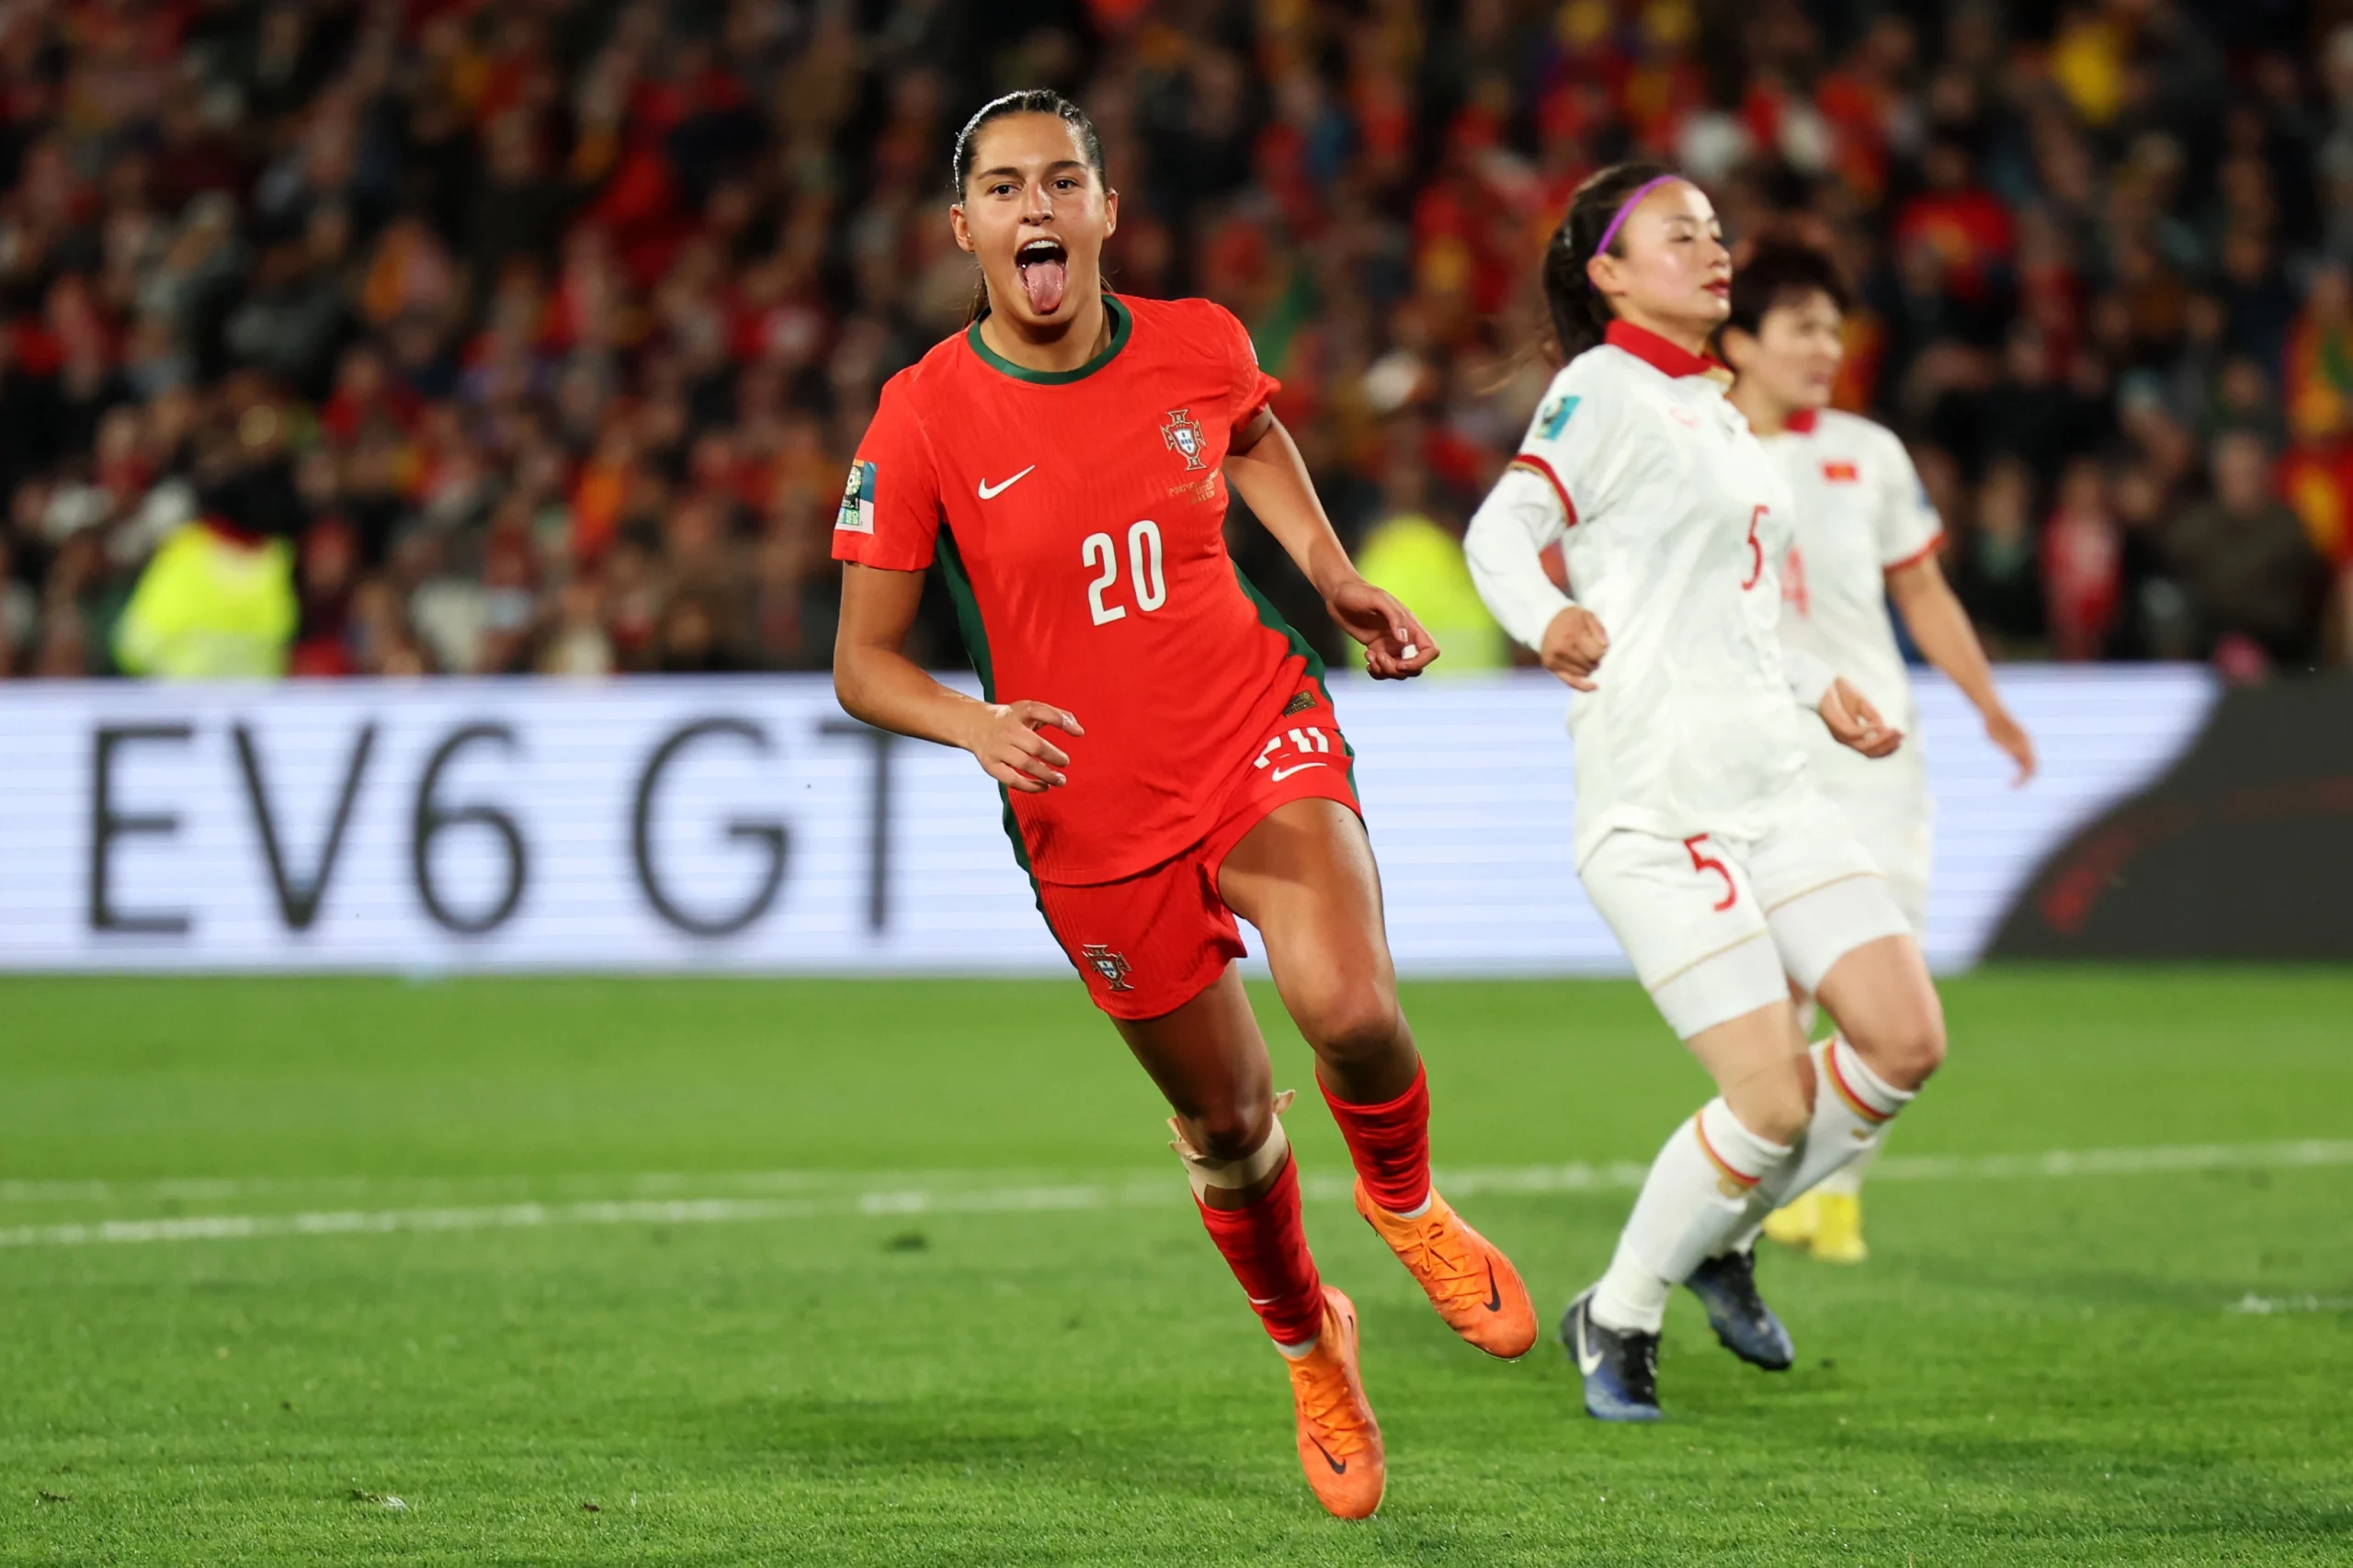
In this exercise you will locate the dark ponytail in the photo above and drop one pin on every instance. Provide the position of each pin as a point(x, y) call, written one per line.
point(1581, 315)
point(1029, 100)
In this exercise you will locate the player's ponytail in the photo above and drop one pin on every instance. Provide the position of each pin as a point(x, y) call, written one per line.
point(1029, 100)
point(1581, 313)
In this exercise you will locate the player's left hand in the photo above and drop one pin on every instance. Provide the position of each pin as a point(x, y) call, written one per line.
point(1396, 647)
point(1854, 722)
point(2006, 733)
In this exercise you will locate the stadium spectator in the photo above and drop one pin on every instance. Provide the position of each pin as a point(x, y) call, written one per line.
point(571, 308)
point(2257, 584)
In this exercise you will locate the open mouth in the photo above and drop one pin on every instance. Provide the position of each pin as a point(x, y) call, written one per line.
point(1044, 267)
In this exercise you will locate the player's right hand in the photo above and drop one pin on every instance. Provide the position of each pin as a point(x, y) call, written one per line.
point(1011, 751)
point(1855, 723)
point(1573, 644)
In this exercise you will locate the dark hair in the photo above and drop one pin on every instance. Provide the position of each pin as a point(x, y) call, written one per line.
point(1029, 100)
point(1580, 313)
point(1784, 271)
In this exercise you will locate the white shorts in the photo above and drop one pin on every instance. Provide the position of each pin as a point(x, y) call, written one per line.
point(1717, 926)
point(1892, 819)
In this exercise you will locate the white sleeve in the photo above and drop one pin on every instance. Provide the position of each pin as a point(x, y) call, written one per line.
point(1505, 548)
point(1907, 524)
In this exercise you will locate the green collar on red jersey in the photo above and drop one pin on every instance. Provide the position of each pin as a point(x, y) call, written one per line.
point(1123, 324)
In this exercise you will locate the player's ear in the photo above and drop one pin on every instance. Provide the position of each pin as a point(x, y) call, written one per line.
point(1110, 213)
point(961, 229)
point(1607, 275)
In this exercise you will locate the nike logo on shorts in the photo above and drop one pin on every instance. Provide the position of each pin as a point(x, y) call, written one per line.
point(990, 492)
point(1279, 774)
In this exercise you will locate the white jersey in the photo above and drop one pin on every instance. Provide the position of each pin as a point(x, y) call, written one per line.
point(1673, 522)
point(1861, 513)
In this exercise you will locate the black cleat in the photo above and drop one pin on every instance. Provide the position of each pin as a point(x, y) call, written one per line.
point(1620, 1369)
point(1727, 1286)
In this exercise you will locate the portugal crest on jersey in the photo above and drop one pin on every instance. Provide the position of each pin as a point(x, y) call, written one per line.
point(1184, 437)
point(1111, 966)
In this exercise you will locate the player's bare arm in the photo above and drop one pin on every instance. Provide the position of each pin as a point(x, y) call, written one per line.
point(1940, 627)
point(1573, 644)
point(1263, 465)
point(877, 682)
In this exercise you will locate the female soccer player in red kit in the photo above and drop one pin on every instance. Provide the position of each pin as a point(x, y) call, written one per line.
point(1167, 751)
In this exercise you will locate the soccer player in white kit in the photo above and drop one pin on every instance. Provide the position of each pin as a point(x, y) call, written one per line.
point(1864, 533)
point(1701, 835)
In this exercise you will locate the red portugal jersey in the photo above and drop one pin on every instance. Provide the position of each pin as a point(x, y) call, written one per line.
point(1079, 518)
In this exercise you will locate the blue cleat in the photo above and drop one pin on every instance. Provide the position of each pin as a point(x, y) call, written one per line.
point(1727, 1286)
point(1620, 1370)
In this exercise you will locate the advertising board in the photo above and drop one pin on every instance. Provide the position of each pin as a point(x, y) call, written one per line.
point(747, 824)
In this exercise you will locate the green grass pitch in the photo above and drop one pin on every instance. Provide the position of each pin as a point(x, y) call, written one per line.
point(2034, 1368)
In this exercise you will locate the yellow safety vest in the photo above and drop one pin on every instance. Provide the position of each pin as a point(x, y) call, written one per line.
point(1422, 564)
point(209, 607)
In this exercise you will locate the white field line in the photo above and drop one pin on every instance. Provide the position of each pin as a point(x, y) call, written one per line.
point(2253, 1305)
point(947, 1193)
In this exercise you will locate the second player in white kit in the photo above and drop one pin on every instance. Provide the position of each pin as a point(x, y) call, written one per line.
point(1701, 834)
point(1863, 533)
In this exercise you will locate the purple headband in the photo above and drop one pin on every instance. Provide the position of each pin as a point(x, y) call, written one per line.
point(1630, 202)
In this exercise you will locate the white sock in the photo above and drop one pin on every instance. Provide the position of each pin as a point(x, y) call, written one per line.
point(1696, 1199)
point(1847, 1181)
point(1852, 1105)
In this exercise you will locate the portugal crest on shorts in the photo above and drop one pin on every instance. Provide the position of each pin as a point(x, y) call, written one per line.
point(1184, 437)
point(1111, 966)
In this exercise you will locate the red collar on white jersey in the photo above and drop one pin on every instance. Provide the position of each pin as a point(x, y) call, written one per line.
point(1660, 354)
point(1803, 422)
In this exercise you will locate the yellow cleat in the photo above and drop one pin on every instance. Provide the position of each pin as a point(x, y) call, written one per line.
point(1339, 1441)
point(1838, 1230)
point(1796, 1222)
point(1472, 1284)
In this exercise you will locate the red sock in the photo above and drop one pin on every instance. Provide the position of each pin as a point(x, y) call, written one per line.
point(1265, 1245)
point(1390, 1143)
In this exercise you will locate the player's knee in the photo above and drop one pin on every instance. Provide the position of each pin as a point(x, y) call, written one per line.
point(1907, 1051)
point(1350, 1025)
point(1234, 1131)
point(1779, 1117)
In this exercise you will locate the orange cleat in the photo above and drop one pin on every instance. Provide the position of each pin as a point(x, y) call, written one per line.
point(1473, 1287)
point(1339, 1441)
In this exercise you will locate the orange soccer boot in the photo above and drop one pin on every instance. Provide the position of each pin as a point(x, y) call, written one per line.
point(1339, 1441)
point(1473, 1287)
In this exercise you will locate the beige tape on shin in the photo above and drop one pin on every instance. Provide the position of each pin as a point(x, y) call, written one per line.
point(1233, 1176)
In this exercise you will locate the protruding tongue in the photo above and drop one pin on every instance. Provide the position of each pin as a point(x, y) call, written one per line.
point(1044, 283)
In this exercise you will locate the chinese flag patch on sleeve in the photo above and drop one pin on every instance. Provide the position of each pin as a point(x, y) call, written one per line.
point(1840, 474)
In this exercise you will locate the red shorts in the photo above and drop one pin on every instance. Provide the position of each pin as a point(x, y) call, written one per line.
point(1149, 943)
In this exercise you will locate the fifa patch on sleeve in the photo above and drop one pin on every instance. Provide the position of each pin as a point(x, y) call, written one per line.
point(1553, 417)
point(857, 514)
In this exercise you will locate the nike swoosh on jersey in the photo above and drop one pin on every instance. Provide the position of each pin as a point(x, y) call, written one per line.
point(990, 492)
point(1587, 1362)
point(1279, 774)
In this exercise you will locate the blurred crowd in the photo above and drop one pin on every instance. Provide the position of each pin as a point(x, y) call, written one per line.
point(506, 335)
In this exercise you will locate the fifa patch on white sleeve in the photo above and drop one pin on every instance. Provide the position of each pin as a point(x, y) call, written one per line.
point(1553, 417)
point(857, 514)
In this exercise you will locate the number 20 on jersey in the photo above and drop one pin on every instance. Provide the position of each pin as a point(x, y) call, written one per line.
point(1100, 554)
